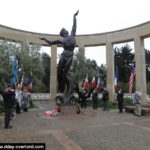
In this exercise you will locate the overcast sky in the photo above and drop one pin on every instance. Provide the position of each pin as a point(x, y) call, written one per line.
point(95, 16)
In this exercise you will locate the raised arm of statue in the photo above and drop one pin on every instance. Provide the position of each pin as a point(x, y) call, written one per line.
point(52, 42)
point(73, 32)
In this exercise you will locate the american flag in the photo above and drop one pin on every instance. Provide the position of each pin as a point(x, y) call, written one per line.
point(133, 74)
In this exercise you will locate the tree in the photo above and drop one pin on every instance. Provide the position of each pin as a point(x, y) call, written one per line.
point(29, 56)
point(147, 57)
point(123, 61)
point(46, 59)
point(81, 66)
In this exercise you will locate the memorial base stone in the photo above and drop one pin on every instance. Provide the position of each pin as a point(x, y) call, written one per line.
point(68, 109)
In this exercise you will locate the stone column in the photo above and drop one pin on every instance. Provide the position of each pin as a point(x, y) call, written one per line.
point(53, 73)
point(140, 66)
point(110, 69)
point(82, 52)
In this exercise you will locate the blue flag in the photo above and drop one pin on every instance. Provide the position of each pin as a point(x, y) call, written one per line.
point(14, 72)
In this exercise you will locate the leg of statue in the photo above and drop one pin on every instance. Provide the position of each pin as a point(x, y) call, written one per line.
point(60, 79)
point(68, 80)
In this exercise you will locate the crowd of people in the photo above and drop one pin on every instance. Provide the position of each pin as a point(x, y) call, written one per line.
point(20, 100)
point(83, 95)
point(14, 99)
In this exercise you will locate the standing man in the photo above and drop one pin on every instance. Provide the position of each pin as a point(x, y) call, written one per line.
point(137, 101)
point(120, 100)
point(95, 98)
point(82, 97)
point(8, 97)
point(26, 103)
point(18, 100)
point(105, 99)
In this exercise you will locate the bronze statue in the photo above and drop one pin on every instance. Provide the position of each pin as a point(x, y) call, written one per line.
point(68, 42)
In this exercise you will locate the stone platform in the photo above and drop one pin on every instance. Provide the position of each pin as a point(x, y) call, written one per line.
point(68, 109)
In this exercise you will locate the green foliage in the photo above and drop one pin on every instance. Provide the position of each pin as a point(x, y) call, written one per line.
point(31, 59)
point(81, 66)
point(111, 104)
point(123, 60)
point(125, 86)
point(148, 88)
point(1, 106)
point(128, 101)
point(147, 57)
point(32, 105)
point(2, 114)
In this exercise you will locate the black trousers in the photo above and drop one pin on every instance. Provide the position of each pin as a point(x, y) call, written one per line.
point(120, 105)
point(8, 112)
point(95, 104)
point(106, 107)
point(17, 108)
point(83, 104)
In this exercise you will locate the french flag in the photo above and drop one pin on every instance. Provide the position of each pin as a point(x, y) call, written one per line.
point(86, 83)
point(29, 83)
point(93, 82)
point(116, 78)
point(99, 83)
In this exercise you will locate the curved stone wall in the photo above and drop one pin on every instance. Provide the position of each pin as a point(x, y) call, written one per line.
point(136, 34)
point(128, 34)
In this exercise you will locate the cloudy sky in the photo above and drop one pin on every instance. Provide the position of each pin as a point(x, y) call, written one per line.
point(95, 16)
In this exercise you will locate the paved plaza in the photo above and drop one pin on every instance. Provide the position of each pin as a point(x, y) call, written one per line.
point(90, 130)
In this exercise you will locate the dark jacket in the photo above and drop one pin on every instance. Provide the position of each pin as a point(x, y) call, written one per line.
point(95, 95)
point(8, 98)
point(120, 95)
point(105, 95)
point(82, 95)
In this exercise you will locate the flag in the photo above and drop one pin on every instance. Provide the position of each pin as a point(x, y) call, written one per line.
point(93, 82)
point(17, 84)
point(86, 83)
point(14, 72)
point(99, 83)
point(29, 83)
point(116, 78)
point(133, 74)
point(21, 79)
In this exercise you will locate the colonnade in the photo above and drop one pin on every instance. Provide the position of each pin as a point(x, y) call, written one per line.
point(135, 34)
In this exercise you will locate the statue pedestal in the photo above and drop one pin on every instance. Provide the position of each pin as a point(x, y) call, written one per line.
point(68, 109)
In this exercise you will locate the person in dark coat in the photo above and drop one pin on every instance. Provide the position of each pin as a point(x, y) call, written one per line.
point(120, 100)
point(82, 97)
point(105, 99)
point(8, 97)
point(95, 98)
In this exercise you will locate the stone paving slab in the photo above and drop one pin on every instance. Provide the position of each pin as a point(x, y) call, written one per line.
point(119, 137)
point(91, 130)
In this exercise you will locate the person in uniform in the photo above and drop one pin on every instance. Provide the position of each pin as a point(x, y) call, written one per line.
point(26, 102)
point(82, 97)
point(19, 102)
point(105, 99)
point(8, 98)
point(120, 100)
point(95, 98)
